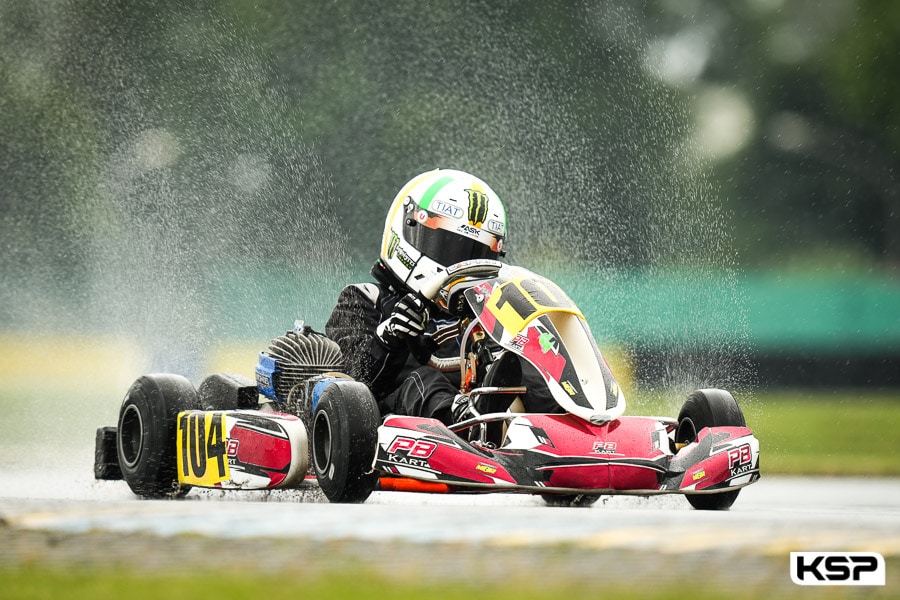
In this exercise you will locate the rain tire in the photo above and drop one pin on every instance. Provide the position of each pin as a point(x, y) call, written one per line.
point(146, 434)
point(344, 441)
point(709, 408)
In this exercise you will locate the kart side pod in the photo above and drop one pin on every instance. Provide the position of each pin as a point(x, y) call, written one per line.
point(241, 449)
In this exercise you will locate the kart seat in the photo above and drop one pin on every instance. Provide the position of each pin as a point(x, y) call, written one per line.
point(506, 371)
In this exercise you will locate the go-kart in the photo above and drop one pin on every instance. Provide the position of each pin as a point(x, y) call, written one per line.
point(171, 436)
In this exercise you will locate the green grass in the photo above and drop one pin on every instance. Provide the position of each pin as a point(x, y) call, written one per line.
point(34, 583)
point(38, 583)
point(817, 432)
point(839, 433)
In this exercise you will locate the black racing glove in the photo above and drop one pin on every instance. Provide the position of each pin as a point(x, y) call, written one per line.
point(406, 321)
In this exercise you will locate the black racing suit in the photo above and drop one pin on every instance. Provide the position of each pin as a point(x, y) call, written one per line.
point(400, 381)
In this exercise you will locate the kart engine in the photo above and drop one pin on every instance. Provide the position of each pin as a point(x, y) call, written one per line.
point(292, 359)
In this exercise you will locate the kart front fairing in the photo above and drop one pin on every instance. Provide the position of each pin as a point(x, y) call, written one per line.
point(532, 317)
point(556, 453)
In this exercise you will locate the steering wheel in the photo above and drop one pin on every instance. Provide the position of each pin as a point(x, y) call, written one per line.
point(480, 268)
point(438, 287)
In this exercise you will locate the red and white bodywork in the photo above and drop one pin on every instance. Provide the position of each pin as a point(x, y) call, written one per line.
point(241, 449)
point(566, 454)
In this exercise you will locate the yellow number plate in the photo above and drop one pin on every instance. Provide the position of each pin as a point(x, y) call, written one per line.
point(202, 448)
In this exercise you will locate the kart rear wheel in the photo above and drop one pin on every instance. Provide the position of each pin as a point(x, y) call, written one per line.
point(146, 434)
point(709, 408)
point(581, 500)
point(227, 391)
point(344, 441)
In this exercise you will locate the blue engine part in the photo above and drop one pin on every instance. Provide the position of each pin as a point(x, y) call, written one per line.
point(266, 370)
point(318, 387)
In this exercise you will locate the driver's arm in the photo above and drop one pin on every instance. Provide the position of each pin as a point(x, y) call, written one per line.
point(352, 326)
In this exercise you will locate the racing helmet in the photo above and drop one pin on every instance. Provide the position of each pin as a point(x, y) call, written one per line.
point(438, 219)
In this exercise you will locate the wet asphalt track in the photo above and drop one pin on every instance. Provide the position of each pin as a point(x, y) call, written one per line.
point(661, 534)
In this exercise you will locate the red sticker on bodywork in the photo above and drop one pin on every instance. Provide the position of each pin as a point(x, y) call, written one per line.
point(550, 362)
point(261, 449)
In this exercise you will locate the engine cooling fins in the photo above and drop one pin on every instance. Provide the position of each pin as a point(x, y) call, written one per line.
point(293, 358)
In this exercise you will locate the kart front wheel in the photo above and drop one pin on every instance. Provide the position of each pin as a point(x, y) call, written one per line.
point(146, 434)
point(709, 408)
point(344, 440)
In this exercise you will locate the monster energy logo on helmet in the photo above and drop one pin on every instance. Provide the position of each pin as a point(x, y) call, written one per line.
point(478, 207)
point(393, 242)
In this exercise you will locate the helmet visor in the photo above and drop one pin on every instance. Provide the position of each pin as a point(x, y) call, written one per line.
point(448, 248)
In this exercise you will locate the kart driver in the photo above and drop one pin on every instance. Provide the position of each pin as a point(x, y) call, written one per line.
point(387, 330)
